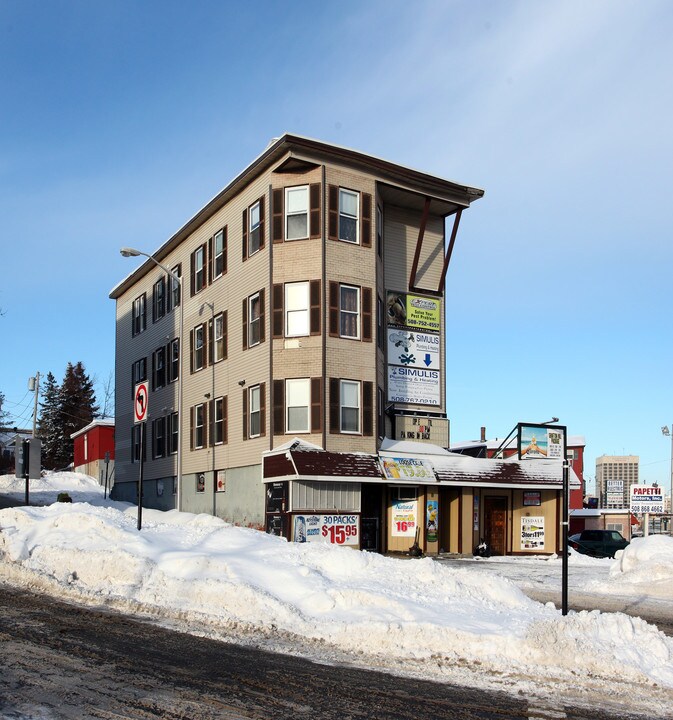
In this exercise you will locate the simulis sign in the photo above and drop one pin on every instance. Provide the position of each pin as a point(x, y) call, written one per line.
point(646, 499)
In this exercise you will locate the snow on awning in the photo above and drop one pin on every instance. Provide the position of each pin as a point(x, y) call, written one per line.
point(298, 460)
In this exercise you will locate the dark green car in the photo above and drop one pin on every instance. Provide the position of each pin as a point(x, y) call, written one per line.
point(598, 543)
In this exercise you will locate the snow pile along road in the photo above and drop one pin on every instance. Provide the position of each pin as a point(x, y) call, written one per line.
point(395, 613)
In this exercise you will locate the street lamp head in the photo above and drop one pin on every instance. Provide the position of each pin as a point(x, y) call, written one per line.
point(129, 252)
point(665, 431)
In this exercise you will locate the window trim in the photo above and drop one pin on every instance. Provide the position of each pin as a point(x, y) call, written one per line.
point(306, 310)
point(199, 330)
point(357, 312)
point(295, 213)
point(258, 227)
point(221, 421)
point(174, 423)
point(254, 390)
point(159, 299)
point(356, 217)
point(342, 383)
point(221, 341)
point(199, 428)
point(200, 272)
point(174, 360)
point(221, 255)
point(254, 322)
point(307, 383)
point(139, 317)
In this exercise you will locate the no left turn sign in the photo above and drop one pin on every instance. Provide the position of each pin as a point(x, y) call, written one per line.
point(140, 402)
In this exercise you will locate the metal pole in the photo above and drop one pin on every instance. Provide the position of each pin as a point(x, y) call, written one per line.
point(140, 475)
point(564, 556)
point(37, 394)
point(670, 502)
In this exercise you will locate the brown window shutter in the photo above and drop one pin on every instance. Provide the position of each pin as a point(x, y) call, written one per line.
point(279, 407)
point(262, 409)
point(191, 352)
point(244, 225)
point(208, 253)
point(191, 428)
point(367, 408)
point(262, 315)
point(245, 413)
point(225, 419)
point(192, 276)
point(334, 308)
point(245, 323)
point(366, 220)
point(316, 404)
point(225, 336)
point(314, 203)
point(334, 402)
point(211, 424)
point(367, 314)
point(211, 342)
point(262, 223)
point(333, 230)
point(315, 314)
point(277, 329)
point(277, 199)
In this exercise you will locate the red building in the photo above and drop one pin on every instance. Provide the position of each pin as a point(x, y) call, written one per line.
point(92, 444)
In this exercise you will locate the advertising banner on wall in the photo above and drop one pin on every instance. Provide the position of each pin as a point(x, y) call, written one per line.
point(541, 442)
point(405, 468)
point(432, 520)
point(414, 311)
point(413, 385)
point(333, 529)
point(405, 514)
point(414, 349)
point(532, 533)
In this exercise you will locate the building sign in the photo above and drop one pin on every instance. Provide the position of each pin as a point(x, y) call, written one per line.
point(414, 311)
point(646, 499)
point(532, 533)
point(413, 385)
point(404, 468)
point(332, 529)
point(414, 348)
point(546, 442)
point(423, 428)
point(432, 519)
point(532, 497)
point(405, 514)
point(614, 492)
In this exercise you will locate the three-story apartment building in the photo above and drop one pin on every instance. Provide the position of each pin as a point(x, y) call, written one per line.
point(310, 291)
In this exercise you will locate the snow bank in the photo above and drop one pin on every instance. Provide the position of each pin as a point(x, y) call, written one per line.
point(393, 611)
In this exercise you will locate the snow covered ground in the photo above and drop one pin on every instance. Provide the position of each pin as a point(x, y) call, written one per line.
point(408, 616)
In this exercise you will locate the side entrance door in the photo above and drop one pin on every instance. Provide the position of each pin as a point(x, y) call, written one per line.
point(495, 524)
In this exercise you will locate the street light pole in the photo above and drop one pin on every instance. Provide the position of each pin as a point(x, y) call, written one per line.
point(132, 252)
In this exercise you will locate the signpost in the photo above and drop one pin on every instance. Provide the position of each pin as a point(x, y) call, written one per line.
point(140, 407)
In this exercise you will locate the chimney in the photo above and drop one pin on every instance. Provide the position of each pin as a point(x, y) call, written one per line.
point(483, 434)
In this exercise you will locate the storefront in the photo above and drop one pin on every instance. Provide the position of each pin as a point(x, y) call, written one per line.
point(413, 494)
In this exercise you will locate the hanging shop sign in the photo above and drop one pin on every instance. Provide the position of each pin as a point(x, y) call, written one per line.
point(413, 348)
point(332, 529)
point(405, 468)
point(414, 311)
point(413, 385)
point(405, 518)
point(646, 499)
point(541, 442)
point(532, 533)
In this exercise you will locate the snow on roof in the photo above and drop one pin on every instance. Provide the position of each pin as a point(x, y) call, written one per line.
point(102, 422)
point(409, 447)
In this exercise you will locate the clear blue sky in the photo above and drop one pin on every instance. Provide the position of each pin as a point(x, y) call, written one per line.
point(118, 121)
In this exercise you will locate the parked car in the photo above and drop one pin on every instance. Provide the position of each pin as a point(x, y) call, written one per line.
point(598, 543)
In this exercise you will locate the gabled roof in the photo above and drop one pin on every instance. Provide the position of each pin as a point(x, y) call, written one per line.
point(302, 149)
point(98, 422)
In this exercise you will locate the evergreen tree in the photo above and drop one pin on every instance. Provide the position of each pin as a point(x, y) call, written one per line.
point(49, 426)
point(4, 415)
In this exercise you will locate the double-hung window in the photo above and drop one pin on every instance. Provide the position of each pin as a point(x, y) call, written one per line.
point(218, 421)
point(137, 442)
point(254, 231)
point(159, 439)
point(254, 320)
point(175, 360)
point(296, 213)
point(138, 315)
point(297, 403)
point(199, 268)
point(297, 306)
point(254, 399)
point(199, 425)
point(159, 304)
point(219, 252)
point(349, 209)
point(174, 288)
point(174, 430)
point(199, 351)
point(349, 404)
point(219, 342)
point(159, 362)
point(349, 311)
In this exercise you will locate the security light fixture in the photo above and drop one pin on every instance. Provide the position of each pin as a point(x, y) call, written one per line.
point(664, 430)
point(129, 252)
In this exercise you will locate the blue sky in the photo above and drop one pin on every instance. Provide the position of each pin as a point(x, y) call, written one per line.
point(120, 120)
